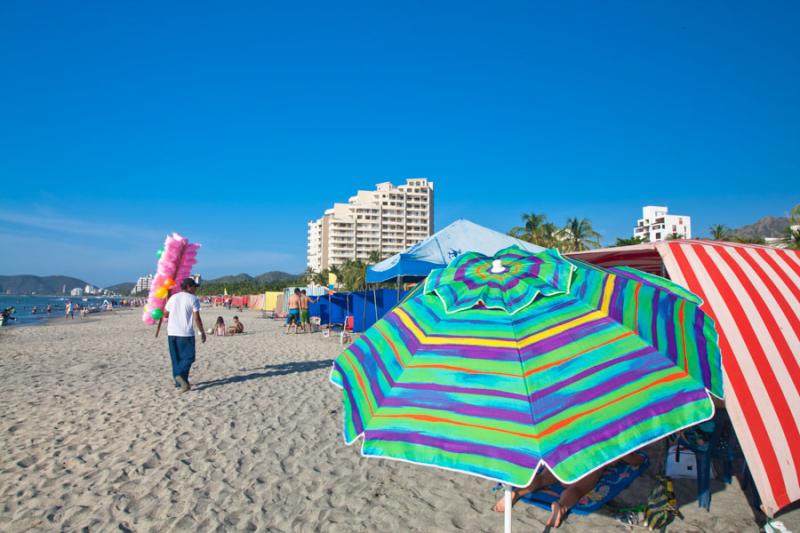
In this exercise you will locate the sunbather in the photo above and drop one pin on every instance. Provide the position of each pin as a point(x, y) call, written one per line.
point(237, 327)
point(572, 493)
point(219, 327)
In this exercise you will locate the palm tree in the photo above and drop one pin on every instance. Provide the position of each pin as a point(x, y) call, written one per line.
point(628, 242)
point(374, 258)
point(580, 235)
point(531, 229)
point(792, 238)
point(353, 274)
point(719, 232)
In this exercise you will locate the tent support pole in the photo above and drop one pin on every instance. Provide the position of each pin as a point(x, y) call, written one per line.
point(507, 490)
point(399, 280)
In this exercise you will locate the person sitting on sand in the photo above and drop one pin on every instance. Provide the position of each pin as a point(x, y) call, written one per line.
point(572, 493)
point(219, 327)
point(237, 327)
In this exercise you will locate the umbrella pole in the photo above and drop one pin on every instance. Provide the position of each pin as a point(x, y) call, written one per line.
point(507, 490)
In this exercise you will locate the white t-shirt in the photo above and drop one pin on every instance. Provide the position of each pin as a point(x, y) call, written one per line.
point(180, 307)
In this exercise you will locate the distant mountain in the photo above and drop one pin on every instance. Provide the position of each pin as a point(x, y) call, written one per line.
point(266, 277)
point(27, 284)
point(765, 227)
point(122, 288)
point(276, 275)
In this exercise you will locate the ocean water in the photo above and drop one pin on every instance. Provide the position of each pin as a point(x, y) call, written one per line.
point(24, 307)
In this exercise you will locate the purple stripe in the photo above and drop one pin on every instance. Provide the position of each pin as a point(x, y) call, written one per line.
point(437, 401)
point(559, 340)
point(463, 390)
point(602, 389)
point(671, 320)
point(541, 393)
point(702, 348)
point(355, 414)
point(626, 421)
point(367, 364)
point(454, 446)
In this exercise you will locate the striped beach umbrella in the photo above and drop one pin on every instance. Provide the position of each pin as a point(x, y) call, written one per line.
point(501, 364)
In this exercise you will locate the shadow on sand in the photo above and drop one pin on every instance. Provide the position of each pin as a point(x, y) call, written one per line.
point(271, 371)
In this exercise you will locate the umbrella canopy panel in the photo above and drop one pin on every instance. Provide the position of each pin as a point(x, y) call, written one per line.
point(494, 373)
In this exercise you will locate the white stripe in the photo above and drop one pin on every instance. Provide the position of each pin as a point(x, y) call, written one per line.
point(776, 365)
point(759, 391)
point(748, 445)
point(776, 279)
point(792, 255)
point(782, 258)
point(774, 307)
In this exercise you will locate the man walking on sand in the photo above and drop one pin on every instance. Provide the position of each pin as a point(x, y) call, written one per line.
point(182, 310)
point(294, 311)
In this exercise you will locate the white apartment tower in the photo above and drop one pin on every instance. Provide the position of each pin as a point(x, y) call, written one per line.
point(387, 220)
point(657, 225)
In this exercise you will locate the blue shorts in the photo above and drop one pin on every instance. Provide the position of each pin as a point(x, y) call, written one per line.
point(294, 316)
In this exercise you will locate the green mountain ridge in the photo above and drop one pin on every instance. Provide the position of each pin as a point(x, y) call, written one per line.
point(27, 284)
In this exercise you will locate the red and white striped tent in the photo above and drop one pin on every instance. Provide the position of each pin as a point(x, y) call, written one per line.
point(753, 295)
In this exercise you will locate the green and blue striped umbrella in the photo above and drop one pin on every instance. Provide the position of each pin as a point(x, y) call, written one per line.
point(499, 365)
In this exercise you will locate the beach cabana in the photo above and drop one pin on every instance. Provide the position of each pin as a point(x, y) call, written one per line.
point(442, 247)
point(753, 294)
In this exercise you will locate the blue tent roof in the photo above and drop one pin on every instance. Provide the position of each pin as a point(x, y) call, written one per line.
point(442, 247)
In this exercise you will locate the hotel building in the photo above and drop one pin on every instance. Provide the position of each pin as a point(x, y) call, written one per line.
point(657, 225)
point(387, 220)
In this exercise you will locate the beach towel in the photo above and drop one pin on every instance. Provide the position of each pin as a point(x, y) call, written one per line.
point(616, 478)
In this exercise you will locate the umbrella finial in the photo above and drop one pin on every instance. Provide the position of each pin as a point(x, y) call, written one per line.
point(497, 267)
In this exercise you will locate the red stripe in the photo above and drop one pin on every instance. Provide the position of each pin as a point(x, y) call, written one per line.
point(747, 403)
point(775, 330)
point(760, 359)
point(763, 254)
point(784, 254)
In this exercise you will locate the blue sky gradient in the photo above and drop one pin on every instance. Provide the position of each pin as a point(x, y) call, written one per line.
point(235, 124)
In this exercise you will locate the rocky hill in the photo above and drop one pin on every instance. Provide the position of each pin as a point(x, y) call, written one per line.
point(768, 226)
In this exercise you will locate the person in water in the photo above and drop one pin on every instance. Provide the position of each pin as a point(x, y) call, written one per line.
point(571, 494)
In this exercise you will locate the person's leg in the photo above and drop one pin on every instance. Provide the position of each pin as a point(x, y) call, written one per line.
point(539, 482)
point(571, 495)
point(173, 355)
point(186, 355)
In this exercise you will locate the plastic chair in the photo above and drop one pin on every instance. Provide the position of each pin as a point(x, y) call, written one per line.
point(717, 446)
point(347, 329)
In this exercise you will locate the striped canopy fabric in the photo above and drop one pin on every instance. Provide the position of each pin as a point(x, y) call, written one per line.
point(594, 365)
point(753, 294)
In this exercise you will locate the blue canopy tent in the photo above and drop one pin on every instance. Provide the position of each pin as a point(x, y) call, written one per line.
point(366, 307)
point(440, 248)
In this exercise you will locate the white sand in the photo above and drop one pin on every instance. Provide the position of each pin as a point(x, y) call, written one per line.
point(94, 436)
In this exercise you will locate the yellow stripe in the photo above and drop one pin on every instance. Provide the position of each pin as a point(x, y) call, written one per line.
point(422, 337)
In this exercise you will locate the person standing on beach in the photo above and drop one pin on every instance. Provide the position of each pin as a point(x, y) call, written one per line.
point(304, 299)
point(69, 312)
point(294, 311)
point(182, 311)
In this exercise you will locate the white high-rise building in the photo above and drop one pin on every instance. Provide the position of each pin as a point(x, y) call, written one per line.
point(142, 284)
point(77, 291)
point(387, 220)
point(657, 225)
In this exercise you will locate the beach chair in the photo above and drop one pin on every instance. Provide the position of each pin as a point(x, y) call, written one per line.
point(347, 330)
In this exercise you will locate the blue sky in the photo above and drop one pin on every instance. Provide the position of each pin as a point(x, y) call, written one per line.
point(237, 123)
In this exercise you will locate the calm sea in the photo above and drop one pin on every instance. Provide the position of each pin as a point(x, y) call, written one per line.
point(24, 307)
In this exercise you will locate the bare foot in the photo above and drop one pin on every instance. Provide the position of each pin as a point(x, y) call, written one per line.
point(500, 506)
point(556, 515)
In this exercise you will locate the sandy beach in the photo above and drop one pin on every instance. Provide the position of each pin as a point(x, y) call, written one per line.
point(94, 437)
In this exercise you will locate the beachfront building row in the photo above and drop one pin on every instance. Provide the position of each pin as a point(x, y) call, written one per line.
point(387, 221)
point(657, 224)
